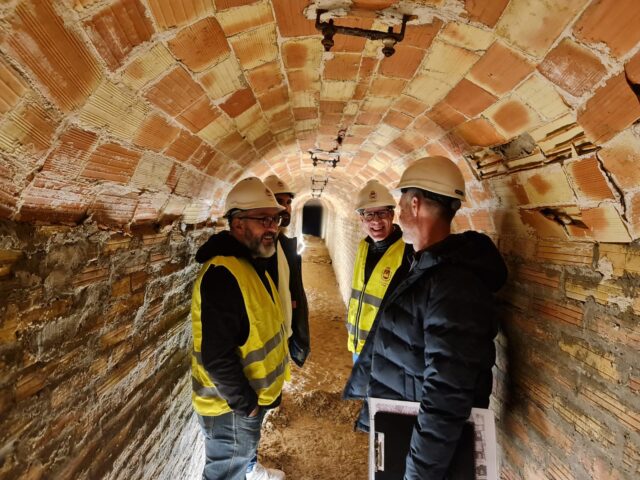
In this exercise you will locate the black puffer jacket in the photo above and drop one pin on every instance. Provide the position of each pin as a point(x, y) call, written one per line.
point(432, 342)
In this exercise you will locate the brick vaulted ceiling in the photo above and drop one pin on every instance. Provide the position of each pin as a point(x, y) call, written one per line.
point(133, 112)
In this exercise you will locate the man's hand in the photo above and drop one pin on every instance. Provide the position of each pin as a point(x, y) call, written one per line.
point(255, 411)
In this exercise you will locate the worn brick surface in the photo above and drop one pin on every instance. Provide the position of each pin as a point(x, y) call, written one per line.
point(183, 146)
point(111, 162)
point(200, 45)
point(115, 109)
point(500, 69)
point(167, 16)
point(246, 18)
point(147, 66)
point(54, 201)
point(479, 132)
point(222, 79)
point(155, 133)
point(69, 157)
point(175, 92)
point(544, 22)
point(621, 157)
point(255, 47)
point(118, 29)
point(611, 22)
point(199, 114)
point(27, 130)
point(573, 67)
point(613, 108)
point(589, 179)
point(12, 87)
point(512, 117)
point(404, 63)
point(485, 12)
point(70, 72)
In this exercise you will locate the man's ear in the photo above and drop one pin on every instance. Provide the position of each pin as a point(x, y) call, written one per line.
point(236, 224)
point(415, 205)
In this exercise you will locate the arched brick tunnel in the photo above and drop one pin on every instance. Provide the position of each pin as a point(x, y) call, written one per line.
point(125, 123)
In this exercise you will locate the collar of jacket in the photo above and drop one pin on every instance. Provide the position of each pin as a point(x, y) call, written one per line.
point(224, 244)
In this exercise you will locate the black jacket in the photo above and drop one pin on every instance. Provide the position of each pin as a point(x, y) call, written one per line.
point(432, 342)
point(225, 324)
point(299, 342)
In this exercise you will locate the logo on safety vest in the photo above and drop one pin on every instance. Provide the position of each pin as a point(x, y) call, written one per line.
point(386, 274)
point(373, 195)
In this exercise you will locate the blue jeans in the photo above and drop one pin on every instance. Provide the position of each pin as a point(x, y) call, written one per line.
point(230, 444)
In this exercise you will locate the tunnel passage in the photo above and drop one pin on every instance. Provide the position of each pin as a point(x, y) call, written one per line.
point(313, 218)
point(124, 123)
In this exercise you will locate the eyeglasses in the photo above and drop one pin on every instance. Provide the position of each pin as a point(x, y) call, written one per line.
point(381, 214)
point(266, 221)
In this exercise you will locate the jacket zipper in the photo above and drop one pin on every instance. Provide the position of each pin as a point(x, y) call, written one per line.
point(355, 333)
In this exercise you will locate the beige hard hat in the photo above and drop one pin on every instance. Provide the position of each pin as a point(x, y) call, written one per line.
point(276, 185)
point(434, 174)
point(248, 194)
point(373, 195)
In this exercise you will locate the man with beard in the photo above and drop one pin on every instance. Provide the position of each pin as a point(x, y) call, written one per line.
point(286, 269)
point(432, 341)
point(378, 258)
point(239, 361)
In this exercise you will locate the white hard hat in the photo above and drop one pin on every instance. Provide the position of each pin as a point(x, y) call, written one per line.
point(248, 194)
point(434, 174)
point(374, 194)
point(276, 185)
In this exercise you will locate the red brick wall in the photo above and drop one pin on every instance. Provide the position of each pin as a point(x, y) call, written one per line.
point(567, 376)
point(94, 348)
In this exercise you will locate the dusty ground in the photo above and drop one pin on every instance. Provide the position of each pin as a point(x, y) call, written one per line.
point(311, 437)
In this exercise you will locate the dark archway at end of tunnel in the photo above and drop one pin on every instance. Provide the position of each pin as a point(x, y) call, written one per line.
point(312, 218)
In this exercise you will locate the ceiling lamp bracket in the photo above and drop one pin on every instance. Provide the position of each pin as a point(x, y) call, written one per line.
point(389, 38)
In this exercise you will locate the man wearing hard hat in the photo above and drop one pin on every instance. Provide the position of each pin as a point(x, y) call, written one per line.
point(240, 356)
point(286, 267)
point(378, 258)
point(433, 337)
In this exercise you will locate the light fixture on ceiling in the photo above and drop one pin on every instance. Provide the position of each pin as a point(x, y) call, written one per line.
point(328, 157)
point(389, 38)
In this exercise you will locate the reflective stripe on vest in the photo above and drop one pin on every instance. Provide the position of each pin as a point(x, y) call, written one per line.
point(366, 299)
point(264, 355)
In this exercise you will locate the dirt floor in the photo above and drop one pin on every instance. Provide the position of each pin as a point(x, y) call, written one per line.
point(311, 435)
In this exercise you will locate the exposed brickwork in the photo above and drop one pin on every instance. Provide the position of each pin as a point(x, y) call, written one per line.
point(70, 73)
point(611, 22)
point(574, 68)
point(200, 45)
point(129, 115)
point(500, 69)
point(118, 29)
point(132, 373)
point(611, 110)
point(545, 21)
point(588, 344)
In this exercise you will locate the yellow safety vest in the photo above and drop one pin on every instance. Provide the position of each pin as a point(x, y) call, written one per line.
point(366, 299)
point(264, 355)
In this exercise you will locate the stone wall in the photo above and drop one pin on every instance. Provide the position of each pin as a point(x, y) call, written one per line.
point(94, 348)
